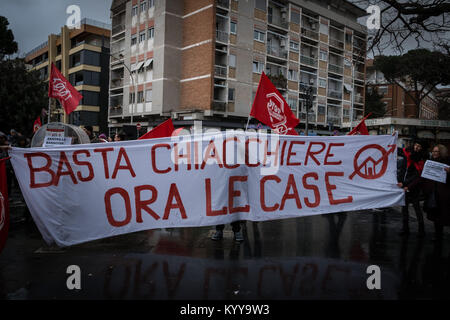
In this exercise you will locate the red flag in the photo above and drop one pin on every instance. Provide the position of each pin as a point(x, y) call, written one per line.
point(270, 108)
point(165, 129)
point(4, 205)
point(37, 124)
point(61, 89)
point(361, 128)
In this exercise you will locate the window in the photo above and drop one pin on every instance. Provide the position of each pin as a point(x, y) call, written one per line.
point(261, 5)
point(323, 28)
point(348, 38)
point(323, 55)
point(148, 96)
point(132, 95)
point(346, 112)
point(258, 67)
point(140, 96)
point(141, 37)
point(295, 17)
point(143, 6)
point(233, 26)
point(321, 109)
point(292, 102)
point(133, 40)
point(293, 45)
point(151, 3)
point(259, 35)
point(293, 75)
point(232, 60)
point(151, 33)
point(134, 11)
point(382, 90)
point(322, 83)
point(231, 94)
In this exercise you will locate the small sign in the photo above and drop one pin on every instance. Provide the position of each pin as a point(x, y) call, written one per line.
point(138, 126)
point(55, 130)
point(435, 171)
point(56, 141)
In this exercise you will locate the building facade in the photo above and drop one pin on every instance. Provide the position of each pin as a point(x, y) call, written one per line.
point(82, 56)
point(201, 60)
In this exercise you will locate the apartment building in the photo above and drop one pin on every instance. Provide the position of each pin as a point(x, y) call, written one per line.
point(397, 100)
point(201, 60)
point(82, 56)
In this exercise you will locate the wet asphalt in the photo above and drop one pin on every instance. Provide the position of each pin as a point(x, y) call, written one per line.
point(315, 257)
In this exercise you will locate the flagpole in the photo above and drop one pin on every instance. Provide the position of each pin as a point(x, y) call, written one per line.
point(248, 120)
point(49, 103)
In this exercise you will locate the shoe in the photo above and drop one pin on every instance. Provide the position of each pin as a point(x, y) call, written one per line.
point(238, 236)
point(218, 235)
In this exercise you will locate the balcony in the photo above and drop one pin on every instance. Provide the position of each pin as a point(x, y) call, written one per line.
point(310, 33)
point(336, 43)
point(221, 36)
point(277, 51)
point(223, 4)
point(335, 120)
point(117, 83)
point(117, 29)
point(219, 105)
point(359, 98)
point(359, 75)
point(279, 81)
point(336, 69)
point(308, 60)
point(115, 111)
point(334, 94)
point(220, 71)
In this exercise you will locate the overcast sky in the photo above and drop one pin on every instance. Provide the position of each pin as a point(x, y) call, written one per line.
point(33, 20)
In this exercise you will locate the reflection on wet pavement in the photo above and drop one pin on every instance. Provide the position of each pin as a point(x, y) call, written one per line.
point(316, 257)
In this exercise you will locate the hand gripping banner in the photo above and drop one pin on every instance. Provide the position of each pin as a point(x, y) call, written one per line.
point(80, 193)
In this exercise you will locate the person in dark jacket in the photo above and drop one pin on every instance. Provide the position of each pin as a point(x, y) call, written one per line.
point(437, 194)
point(410, 182)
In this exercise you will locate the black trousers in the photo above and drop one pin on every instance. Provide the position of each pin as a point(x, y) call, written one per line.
point(414, 199)
point(236, 226)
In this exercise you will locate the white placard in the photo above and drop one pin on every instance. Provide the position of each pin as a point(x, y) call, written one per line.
point(434, 171)
point(56, 141)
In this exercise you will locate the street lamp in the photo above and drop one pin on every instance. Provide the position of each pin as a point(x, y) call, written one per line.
point(132, 82)
point(308, 102)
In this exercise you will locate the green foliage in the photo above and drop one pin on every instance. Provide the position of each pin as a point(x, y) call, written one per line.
point(418, 71)
point(22, 93)
point(7, 44)
point(374, 104)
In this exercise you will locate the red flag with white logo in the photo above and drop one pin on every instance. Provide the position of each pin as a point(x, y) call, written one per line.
point(37, 124)
point(4, 204)
point(165, 129)
point(61, 89)
point(270, 108)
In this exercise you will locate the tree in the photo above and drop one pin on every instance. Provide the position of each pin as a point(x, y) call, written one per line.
point(424, 21)
point(418, 72)
point(22, 93)
point(374, 104)
point(7, 44)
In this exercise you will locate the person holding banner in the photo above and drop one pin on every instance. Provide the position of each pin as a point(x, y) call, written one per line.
point(437, 194)
point(411, 185)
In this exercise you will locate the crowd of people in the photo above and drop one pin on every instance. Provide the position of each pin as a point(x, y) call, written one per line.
point(410, 164)
point(435, 195)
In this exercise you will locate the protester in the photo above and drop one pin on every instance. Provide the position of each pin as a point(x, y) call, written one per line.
point(4, 147)
point(437, 194)
point(120, 136)
point(90, 132)
point(236, 227)
point(103, 138)
point(410, 182)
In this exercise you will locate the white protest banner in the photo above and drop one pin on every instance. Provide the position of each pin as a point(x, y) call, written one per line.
point(434, 171)
point(80, 193)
